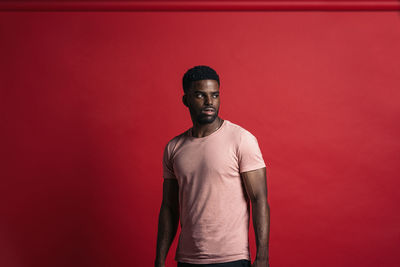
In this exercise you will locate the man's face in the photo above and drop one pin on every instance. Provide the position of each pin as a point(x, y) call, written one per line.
point(202, 100)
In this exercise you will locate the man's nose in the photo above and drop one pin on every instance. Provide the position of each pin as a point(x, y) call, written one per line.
point(208, 100)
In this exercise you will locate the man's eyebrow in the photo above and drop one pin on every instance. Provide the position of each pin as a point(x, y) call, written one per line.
point(202, 92)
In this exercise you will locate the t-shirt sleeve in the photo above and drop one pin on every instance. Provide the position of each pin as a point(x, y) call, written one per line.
point(249, 153)
point(168, 169)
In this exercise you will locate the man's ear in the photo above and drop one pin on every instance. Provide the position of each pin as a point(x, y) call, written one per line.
point(184, 100)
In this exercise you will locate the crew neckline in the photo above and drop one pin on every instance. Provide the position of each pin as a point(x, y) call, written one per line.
point(189, 132)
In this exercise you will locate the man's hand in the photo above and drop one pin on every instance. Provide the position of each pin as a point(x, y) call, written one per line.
point(167, 221)
point(256, 188)
point(260, 263)
point(159, 264)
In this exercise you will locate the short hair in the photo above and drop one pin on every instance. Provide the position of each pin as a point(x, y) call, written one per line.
point(198, 73)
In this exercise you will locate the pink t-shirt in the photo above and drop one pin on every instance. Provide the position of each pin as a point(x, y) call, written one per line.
point(214, 209)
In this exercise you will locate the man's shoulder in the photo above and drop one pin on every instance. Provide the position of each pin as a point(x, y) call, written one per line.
point(238, 130)
point(176, 139)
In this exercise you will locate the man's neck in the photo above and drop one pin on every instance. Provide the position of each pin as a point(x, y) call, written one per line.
point(202, 130)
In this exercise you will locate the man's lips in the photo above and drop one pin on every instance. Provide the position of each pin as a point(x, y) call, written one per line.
point(208, 111)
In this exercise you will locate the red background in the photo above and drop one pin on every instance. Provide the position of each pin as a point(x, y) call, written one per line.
point(89, 99)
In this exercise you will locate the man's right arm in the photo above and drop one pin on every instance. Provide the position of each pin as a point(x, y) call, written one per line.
point(168, 220)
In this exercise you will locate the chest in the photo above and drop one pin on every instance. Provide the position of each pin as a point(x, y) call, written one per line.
point(206, 160)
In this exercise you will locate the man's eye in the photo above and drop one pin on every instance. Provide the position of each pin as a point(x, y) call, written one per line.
point(215, 96)
point(199, 95)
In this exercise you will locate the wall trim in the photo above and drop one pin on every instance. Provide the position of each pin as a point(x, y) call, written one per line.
point(197, 5)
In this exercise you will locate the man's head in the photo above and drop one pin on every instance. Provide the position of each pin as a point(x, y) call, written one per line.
point(201, 88)
point(198, 73)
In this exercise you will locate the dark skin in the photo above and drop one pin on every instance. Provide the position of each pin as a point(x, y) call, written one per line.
point(256, 188)
point(203, 102)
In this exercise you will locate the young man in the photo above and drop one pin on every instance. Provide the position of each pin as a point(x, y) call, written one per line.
point(210, 173)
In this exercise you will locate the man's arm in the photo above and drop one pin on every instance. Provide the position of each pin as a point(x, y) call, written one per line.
point(168, 220)
point(256, 187)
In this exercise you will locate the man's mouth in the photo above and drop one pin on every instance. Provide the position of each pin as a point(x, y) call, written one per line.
point(208, 111)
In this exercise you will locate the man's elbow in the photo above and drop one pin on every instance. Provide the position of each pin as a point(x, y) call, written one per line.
point(259, 197)
point(171, 209)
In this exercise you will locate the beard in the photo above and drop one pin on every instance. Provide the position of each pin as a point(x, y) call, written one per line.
point(206, 119)
point(202, 118)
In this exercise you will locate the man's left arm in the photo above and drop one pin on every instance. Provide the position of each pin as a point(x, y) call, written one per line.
point(256, 188)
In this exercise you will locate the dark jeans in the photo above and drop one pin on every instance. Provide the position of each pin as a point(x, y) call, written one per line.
point(239, 263)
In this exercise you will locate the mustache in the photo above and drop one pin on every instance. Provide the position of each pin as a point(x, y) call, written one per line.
point(208, 108)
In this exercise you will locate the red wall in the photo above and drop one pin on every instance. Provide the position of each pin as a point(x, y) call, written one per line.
point(88, 101)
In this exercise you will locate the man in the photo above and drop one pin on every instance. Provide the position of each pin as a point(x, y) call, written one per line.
point(210, 173)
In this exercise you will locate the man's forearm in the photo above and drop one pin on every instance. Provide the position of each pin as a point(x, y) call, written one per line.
point(167, 226)
point(260, 210)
